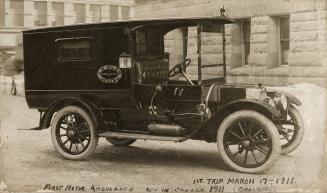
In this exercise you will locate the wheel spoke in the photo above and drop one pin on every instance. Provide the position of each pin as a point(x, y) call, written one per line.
point(288, 132)
point(87, 138)
point(236, 135)
point(81, 136)
point(257, 133)
point(250, 130)
point(262, 142)
point(239, 124)
point(65, 142)
point(76, 147)
point(239, 151)
point(261, 150)
point(246, 156)
point(65, 120)
point(80, 126)
point(231, 143)
point(61, 135)
point(254, 157)
point(286, 137)
point(80, 142)
point(70, 147)
point(84, 131)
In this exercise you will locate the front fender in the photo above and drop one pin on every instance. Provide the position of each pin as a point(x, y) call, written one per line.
point(291, 98)
point(250, 104)
point(208, 129)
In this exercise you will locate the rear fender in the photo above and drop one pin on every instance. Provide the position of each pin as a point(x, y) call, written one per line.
point(84, 103)
point(208, 129)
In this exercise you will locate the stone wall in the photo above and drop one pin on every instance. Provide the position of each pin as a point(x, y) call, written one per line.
point(307, 58)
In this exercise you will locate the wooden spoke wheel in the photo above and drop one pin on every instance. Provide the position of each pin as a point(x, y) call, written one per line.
point(73, 133)
point(291, 135)
point(248, 142)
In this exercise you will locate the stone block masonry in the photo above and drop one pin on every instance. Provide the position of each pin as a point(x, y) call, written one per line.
point(306, 53)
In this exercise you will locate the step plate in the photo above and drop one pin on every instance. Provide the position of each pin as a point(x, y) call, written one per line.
point(139, 136)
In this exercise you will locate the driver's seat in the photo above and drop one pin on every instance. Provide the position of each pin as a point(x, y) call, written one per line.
point(151, 71)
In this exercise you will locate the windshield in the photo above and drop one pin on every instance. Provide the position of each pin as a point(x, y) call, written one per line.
point(211, 55)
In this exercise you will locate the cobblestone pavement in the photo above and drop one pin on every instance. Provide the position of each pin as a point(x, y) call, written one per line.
point(29, 161)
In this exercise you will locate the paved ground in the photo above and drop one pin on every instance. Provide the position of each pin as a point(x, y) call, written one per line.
point(29, 162)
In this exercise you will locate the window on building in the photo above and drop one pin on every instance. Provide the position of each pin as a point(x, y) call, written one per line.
point(95, 13)
point(246, 36)
point(17, 12)
point(75, 49)
point(58, 12)
point(113, 12)
point(40, 13)
point(284, 39)
point(125, 12)
point(80, 15)
point(2, 12)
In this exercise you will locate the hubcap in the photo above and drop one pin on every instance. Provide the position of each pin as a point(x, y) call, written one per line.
point(247, 144)
point(71, 133)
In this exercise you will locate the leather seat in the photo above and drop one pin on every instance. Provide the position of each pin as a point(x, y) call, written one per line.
point(152, 71)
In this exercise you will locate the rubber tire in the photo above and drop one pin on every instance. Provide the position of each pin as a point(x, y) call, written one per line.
point(270, 129)
point(93, 138)
point(299, 137)
point(125, 142)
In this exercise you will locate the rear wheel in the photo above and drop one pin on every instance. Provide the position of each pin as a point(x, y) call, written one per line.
point(248, 142)
point(120, 141)
point(73, 133)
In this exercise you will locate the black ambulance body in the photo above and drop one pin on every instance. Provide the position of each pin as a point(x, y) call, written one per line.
point(115, 80)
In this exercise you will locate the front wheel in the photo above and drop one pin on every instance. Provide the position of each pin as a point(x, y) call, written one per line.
point(73, 133)
point(248, 142)
point(120, 141)
point(291, 134)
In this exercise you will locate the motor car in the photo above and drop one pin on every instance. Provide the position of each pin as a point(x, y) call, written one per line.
point(119, 81)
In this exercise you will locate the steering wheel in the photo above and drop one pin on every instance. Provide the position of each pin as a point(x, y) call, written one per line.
point(179, 68)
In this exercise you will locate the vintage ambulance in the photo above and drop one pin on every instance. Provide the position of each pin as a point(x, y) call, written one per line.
point(116, 80)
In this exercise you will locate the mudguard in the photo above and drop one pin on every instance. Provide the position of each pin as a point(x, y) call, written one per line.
point(211, 124)
point(291, 98)
point(89, 106)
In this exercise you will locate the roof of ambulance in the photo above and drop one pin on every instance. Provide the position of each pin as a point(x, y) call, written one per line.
point(137, 22)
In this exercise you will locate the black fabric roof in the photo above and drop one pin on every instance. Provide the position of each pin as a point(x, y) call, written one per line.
point(183, 21)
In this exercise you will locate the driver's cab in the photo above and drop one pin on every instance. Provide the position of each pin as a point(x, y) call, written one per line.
point(177, 83)
point(200, 50)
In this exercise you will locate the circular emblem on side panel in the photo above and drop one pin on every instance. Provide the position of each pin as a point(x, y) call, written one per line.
point(109, 74)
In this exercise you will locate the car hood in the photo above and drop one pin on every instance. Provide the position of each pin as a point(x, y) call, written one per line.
point(229, 92)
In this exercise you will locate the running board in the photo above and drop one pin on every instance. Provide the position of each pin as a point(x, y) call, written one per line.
point(140, 136)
